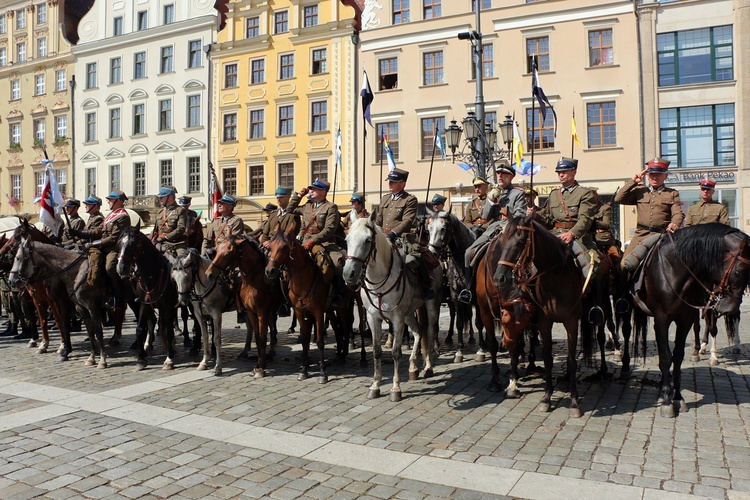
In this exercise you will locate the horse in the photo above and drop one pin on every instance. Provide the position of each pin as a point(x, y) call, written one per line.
point(261, 299)
point(696, 268)
point(544, 268)
point(732, 323)
point(310, 296)
point(448, 239)
point(147, 269)
point(63, 273)
point(377, 269)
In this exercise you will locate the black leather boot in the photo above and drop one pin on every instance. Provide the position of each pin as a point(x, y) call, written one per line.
point(464, 295)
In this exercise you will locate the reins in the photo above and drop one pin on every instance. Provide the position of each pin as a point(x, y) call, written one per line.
point(34, 279)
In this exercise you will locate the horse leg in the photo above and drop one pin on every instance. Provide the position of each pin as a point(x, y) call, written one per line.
point(216, 318)
point(449, 337)
point(571, 327)
point(683, 329)
point(398, 335)
point(431, 332)
point(661, 329)
point(389, 341)
point(320, 332)
point(98, 336)
point(259, 324)
point(91, 360)
point(698, 347)
point(416, 323)
point(376, 327)
point(119, 318)
point(245, 354)
point(362, 330)
point(305, 332)
point(712, 326)
point(545, 331)
point(271, 321)
point(205, 340)
point(185, 313)
point(601, 338)
point(733, 331)
point(141, 333)
point(166, 331)
point(492, 347)
point(627, 328)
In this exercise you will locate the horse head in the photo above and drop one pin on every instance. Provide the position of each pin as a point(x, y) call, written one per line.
point(225, 253)
point(183, 273)
point(440, 232)
point(23, 267)
point(364, 242)
point(513, 244)
point(127, 249)
point(279, 252)
point(736, 274)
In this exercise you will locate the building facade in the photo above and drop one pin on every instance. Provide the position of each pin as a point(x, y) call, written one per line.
point(694, 113)
point(285, 80)
point(35, 69)
point(423, 77)
point(141, 99)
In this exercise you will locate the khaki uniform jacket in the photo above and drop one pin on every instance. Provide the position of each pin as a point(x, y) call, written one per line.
point(279, 222)
point(94, 224)
point(111, 231)
point(194, 230)
point(474, 214)
point(399, 215)
point(172, 227)
point(579, 202)
point(702, 212)
point(654, 209)
point(513, 200)
point(319, 224)
point(602, 226)
point(76, 223)
point(220, 229)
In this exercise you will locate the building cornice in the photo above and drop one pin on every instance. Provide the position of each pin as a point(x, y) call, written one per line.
point(421, 37)
point(561, 16)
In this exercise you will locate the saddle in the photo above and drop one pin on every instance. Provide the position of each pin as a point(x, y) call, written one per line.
point(480, 250)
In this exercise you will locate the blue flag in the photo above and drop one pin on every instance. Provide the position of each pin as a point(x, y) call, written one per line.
point(526, 168)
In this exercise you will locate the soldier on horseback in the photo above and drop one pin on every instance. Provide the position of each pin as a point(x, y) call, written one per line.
point(194, 227)
point(477, 215)
point(75, 222)
point(227, 225)
point(170, 233)
point(358, 207)
point(397, 217)
point(281, 219)
point(438, 202)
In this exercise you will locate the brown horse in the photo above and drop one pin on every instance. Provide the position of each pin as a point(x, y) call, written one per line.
point(543, 267)
point(311, 298)
point(261, 300)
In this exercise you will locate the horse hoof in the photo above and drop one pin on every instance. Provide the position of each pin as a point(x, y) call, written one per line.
point(695, 358)
point(62, 358)
point(373, 394)
point(102, 365)
point(243, 355)
point(413, 375)
point(259, 373)
point(395, 396)
point(167, 366)
point(575, 413)
point(388, 345)
point(41, 350)
point(428, 373)
point(494, 386)
point(480, 357)
point(32, 343)
point(217, 371)
point(624, 374)
point(290, 331)
point(702, 351)
point(513, 394)
point(458, 358)
point(683, 406)
point(88, 362)
point(543, 407)
point(202, 367)
point(140, 367)
point(667, 411)
point(713, 362)
point(302, 376)
point(736, 350)
point(323, 379)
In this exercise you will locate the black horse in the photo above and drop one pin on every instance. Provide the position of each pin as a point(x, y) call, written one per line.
point(148, 271)
point(698, 267)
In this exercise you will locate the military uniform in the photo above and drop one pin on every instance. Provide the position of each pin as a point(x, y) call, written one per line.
point(172, 228)
point(704, 212)
point(220, 229)
point(279, 220)
point(476, 213)
point(346, 222)
point(570, 209)
point(602, 226)
point(319, 223)
point(194, 230)
point(398, 214)
point(76, 224)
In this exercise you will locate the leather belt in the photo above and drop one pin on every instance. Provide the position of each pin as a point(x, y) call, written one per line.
point(565, 225)
point(313, 230)
point(652, 229)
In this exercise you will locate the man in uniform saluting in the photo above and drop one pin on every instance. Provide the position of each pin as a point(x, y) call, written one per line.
point(227, 225)
point(280, 219)
point(707, 210)
point(171, 228)
point(657, 206)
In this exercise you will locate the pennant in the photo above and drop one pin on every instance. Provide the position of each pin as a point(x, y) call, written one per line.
point(526, 168)
point(52, 199)
point(536, 91)
point(389, 155)
point(338, 149)
point(574, 131)
point(439, 143)
point(367, 98)
point(465, 166)
point(214, 191)
point(518, 148)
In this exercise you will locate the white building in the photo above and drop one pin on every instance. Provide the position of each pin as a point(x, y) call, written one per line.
point(142, 98)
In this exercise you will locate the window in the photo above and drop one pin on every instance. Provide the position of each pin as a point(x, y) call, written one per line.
point(229, 181)
point(258, 71)
point(230, 75)
point(433, 67)
point(319, 61)
point(114, 123)
point(194, 111)
point(139, 65)
point(698, 136)
point(319, 116)
point(40, 127)
point(168, 13)
point(230, 127)
point(3, 55)
point(428, 135)
point(165, 114)
point(286, 67)
point(390, 130)
point(3, 26)
point(61, 80)
point(15, 89)
point(90, 127)
point(400, 11)
point(90, 182)
point(281, 22)
point(114, 177)
point(490, 118)
point(253, 27)
point(39, 87)
point(115, 70)
point(194, 54)
point(142, 18)
point(695, 56)
point(601, 52)
point(543, 134)
point(21, 19)
point(486, 4)
point(39, 178)
point(538, 47)
point(15, 133)
point(15, 182)
point(601, 124)
point(432, 9)
point(319, 169)
point(488, 62)
point(257, 123)
point(311, 16)
point(91, 75)
point(286, 120)
point(21, 51)
point(62, 180)
point(61, 126)
point(165, 173)
point(286, 174)
point(257, 180)
point(41, 47)
point(117, 26)
point(139, 119)
point(194, 174)
point(388, 73)
point(166, 59)
point(139, 180)
point(41, 13)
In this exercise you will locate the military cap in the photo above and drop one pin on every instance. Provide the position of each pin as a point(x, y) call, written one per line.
point(505, 168)
point(93, 200)
point(166, 191)
point(479, 180)
point(357, 197)
point(658, 166)
point(227, 200)
point(283, 191)
point(72, 202)
point(531, 191)
point(320, 184)
point(270, 207)
point(438, 199)
point(184, 201)
point(397, 175)
point(566, 164)
point(117, 195)
point(708, 184)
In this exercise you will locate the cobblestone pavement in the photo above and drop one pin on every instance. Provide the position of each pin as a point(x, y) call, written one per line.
point(69, 430)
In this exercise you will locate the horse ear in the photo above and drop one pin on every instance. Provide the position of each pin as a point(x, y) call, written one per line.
point(450, 210)
point(374, 215)
point(138, 225)
point(430, 211)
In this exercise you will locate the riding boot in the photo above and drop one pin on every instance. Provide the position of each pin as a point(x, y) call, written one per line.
point(464, 295)
point(339, 289)
point(11, 330)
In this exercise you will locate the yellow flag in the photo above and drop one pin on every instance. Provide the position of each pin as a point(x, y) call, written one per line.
point(517, 146)
point(574, 132)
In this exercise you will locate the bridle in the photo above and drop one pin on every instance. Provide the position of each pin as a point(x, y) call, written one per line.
point(33, 278)
point(180, 266)
point(135, 274)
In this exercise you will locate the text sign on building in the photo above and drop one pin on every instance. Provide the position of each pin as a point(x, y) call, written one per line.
point(695, 176)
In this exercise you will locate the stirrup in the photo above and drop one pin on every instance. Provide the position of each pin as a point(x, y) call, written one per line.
point(464, 296)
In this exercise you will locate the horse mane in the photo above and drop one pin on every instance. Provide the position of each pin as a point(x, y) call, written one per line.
point(34, 233)
point(703, 245)
point(459, 229)
point(382, 245)
point(548, 248)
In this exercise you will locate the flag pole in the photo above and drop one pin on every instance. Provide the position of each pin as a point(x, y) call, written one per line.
point(432, 162)
point(67, 220)
point(572, 137)
point(336, 167)
point(382, 153)
point(533, 138)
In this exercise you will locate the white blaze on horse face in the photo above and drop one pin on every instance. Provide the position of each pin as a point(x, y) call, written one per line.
point(438, 230)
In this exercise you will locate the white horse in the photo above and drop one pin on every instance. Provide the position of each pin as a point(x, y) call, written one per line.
point(389, 291)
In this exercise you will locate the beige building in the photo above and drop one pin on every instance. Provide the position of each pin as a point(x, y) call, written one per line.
point(423, 76)
point(35, 69)
point(694, 113)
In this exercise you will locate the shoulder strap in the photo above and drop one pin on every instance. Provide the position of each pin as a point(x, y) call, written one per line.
point(564, 206)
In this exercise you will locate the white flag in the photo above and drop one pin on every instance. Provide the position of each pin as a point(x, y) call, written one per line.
point(52, 200)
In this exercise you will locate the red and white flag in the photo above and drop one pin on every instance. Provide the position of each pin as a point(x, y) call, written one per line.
point(52, 200)
point(214, 192)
